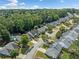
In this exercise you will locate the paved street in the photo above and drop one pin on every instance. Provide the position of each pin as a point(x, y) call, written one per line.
point(32, 53)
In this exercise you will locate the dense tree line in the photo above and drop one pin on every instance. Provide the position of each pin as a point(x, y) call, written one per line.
point(17, 21)
point(21, 21)
point(4, 35)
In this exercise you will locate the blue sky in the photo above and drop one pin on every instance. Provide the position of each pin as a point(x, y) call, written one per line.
point(35, 4)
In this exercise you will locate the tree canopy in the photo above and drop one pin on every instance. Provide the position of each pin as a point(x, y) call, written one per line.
point(17, 21)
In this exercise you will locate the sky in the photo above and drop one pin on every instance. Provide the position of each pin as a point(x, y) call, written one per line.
point(38, 4)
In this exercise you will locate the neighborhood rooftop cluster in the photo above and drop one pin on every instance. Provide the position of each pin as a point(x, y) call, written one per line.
point(56, 48)
point(64, 42)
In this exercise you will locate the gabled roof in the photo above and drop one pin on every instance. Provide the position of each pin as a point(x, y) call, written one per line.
point(69, 14)
point(11, 46)
point(36, 32)
point(33, 33)
point(64, 42)
point(60, 20)
point(30, 34)
point(4, 52)
point(76, 29)
point(73, 34)
point(54, 50)
point(7, 48)
point(40, 30)
point(68, 39)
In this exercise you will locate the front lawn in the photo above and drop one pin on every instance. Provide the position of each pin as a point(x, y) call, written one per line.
point(30, 44)
point(65, 55)
point(41, 55)
point(73, 51)
point(45, 46)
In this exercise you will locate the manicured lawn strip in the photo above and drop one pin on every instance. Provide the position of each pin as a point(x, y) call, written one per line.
point(30, 44)
point(65, 55)
point(45, 46)
point(74, 46)
point(42, 55)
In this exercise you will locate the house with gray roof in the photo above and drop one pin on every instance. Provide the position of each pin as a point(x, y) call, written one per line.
point(42, 29)
point(64, 42)
point(11, 46)
point(5, 51)
point(68, 39)
point(61, 20)
point(36, 32)
point(77, 29)
point(33, 33)
point(70, 15)
point(54, 50)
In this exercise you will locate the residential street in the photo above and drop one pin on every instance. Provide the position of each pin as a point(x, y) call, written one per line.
point(31, 54)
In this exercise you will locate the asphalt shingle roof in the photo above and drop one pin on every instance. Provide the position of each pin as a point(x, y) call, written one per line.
point(54, 50)
point(11, 46)
point(64, 42)
point(4, 52)
point(7, 48)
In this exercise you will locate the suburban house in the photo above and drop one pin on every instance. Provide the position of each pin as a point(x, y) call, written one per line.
point(5, 51)
point(64, 42)
point(54, 50)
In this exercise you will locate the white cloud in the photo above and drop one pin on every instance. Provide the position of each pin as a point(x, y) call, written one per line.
point(14, 4)
point(13, 1)
point(2, 7)
point(41, 0)
point(62, 1)
point(35, 7)
point(13, 7)
point(22, 3)
point(11, 4)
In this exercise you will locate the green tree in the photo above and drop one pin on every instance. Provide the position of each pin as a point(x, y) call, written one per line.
point(13, 54)
point(62, 29)
point(56, 17)
point(58, 34)
point(20, 21)
point(24, 39)
point(50, 28)
point(44, 37)
point(4, 34)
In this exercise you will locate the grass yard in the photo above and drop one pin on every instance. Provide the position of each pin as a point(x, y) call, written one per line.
point(65, 55)
point(73, 48)
point(45, 46)
point(75, 45)
point(41, 55)
point(30, 44)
